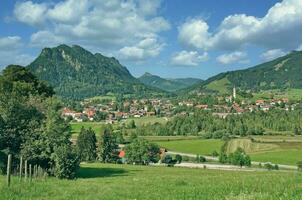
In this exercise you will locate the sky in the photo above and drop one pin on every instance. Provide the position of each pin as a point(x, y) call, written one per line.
point(169, 38)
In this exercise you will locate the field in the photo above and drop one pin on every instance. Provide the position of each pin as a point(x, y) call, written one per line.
point(96, 126)
point(292, 94)
point(280, 150)
point(106, 181)
point(148, 120)
point(202, 147)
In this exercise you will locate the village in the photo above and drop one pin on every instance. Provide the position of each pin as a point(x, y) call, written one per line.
point(111, 111)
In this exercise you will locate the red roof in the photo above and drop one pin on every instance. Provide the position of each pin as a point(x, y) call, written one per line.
point(121, 154)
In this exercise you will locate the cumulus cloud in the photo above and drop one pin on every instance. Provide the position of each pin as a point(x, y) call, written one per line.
point(272, 54)
point(30, 13)
point(188, 58)
point(145, 49)
point(10, 52)
point(280, 28)
point(118, 25)
point(233, 57)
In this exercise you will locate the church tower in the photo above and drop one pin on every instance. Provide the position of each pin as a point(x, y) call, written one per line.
point(234, 92)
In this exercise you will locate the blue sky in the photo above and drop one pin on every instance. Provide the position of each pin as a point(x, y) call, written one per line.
point(170, 38)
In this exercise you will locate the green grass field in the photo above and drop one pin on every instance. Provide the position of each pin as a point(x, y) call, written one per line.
point(106, 182)
point(280, 150)
point(148, 120)
point(292, 94)
point(96, 126)
point(202, 147)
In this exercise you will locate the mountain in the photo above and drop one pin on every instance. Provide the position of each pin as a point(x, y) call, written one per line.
point(77, 73)
point(281, 73)
point(170, 85)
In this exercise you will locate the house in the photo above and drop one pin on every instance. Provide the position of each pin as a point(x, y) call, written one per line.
point(260, 102)
point(68, 112)
point(201, 106)
point(237, 108)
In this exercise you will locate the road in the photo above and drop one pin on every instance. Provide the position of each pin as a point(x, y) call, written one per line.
point(211, 158)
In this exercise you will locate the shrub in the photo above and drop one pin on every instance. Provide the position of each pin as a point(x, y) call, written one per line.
point(200, 159)
point(215, 154)
point(299, 164)
point(268, 166)
point(178, 158)
point(66, 161)
point(239, 157)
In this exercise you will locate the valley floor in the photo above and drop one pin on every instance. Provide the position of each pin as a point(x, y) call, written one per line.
point(107, 181)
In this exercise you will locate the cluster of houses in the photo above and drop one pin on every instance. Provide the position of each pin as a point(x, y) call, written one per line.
point(164, 107)
point(130, 109)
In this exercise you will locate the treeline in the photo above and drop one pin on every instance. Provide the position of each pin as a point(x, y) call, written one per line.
point(206, 124)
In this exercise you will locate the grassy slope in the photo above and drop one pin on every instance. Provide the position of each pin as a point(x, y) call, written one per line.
point(104, 181)
point(203, 147)
point(220, 85)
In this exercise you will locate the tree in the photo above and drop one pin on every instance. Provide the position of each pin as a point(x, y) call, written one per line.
point(239, 157)
point(30, 119)
point(140, 151)
point(67, 162)
point(223, 158)
point(108, 147)
point(86, 145)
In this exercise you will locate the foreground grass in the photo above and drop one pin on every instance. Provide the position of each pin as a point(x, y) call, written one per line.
point(105, 181)
point(203, 147)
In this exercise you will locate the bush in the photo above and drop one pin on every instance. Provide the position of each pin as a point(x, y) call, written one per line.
point(178, 158)
point(268, 166)
point(239, 157)
point(215, 154)
point(66, 161)
point(299, 164)
point(200, 159)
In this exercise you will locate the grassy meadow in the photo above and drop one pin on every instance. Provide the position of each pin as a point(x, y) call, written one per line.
point(108, 181)
point(281, 150)
point(199, 146)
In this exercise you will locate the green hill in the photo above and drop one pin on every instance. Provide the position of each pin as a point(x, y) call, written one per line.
point(281, 73)
point(77, 73)
point(170, 85)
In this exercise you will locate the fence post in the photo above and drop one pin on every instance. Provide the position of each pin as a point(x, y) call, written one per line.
point(25, 173)
point(9, 163)
point(21, 167)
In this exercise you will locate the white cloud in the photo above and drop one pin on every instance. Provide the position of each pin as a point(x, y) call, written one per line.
point(188, 58)
point(145, 49)
point(233, 57)
point(280, 28)
point(10, 52)
point(272, 54)
point(30, 13)
point(112, 26)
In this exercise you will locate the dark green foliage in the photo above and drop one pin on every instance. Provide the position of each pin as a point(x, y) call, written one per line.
point(108, 147)
point(66, 161)
point(140, 151)
point(239, 157)
point(30, 119)
point(200, 159)
point(206, 125)
point(215, 154)
point(223, 158)
point(167, 84)
point(76, 73)
point(178, 158)
point(86, 145)
point(299, 164)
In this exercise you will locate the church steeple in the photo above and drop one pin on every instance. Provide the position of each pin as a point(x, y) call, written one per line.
point(234, 92)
